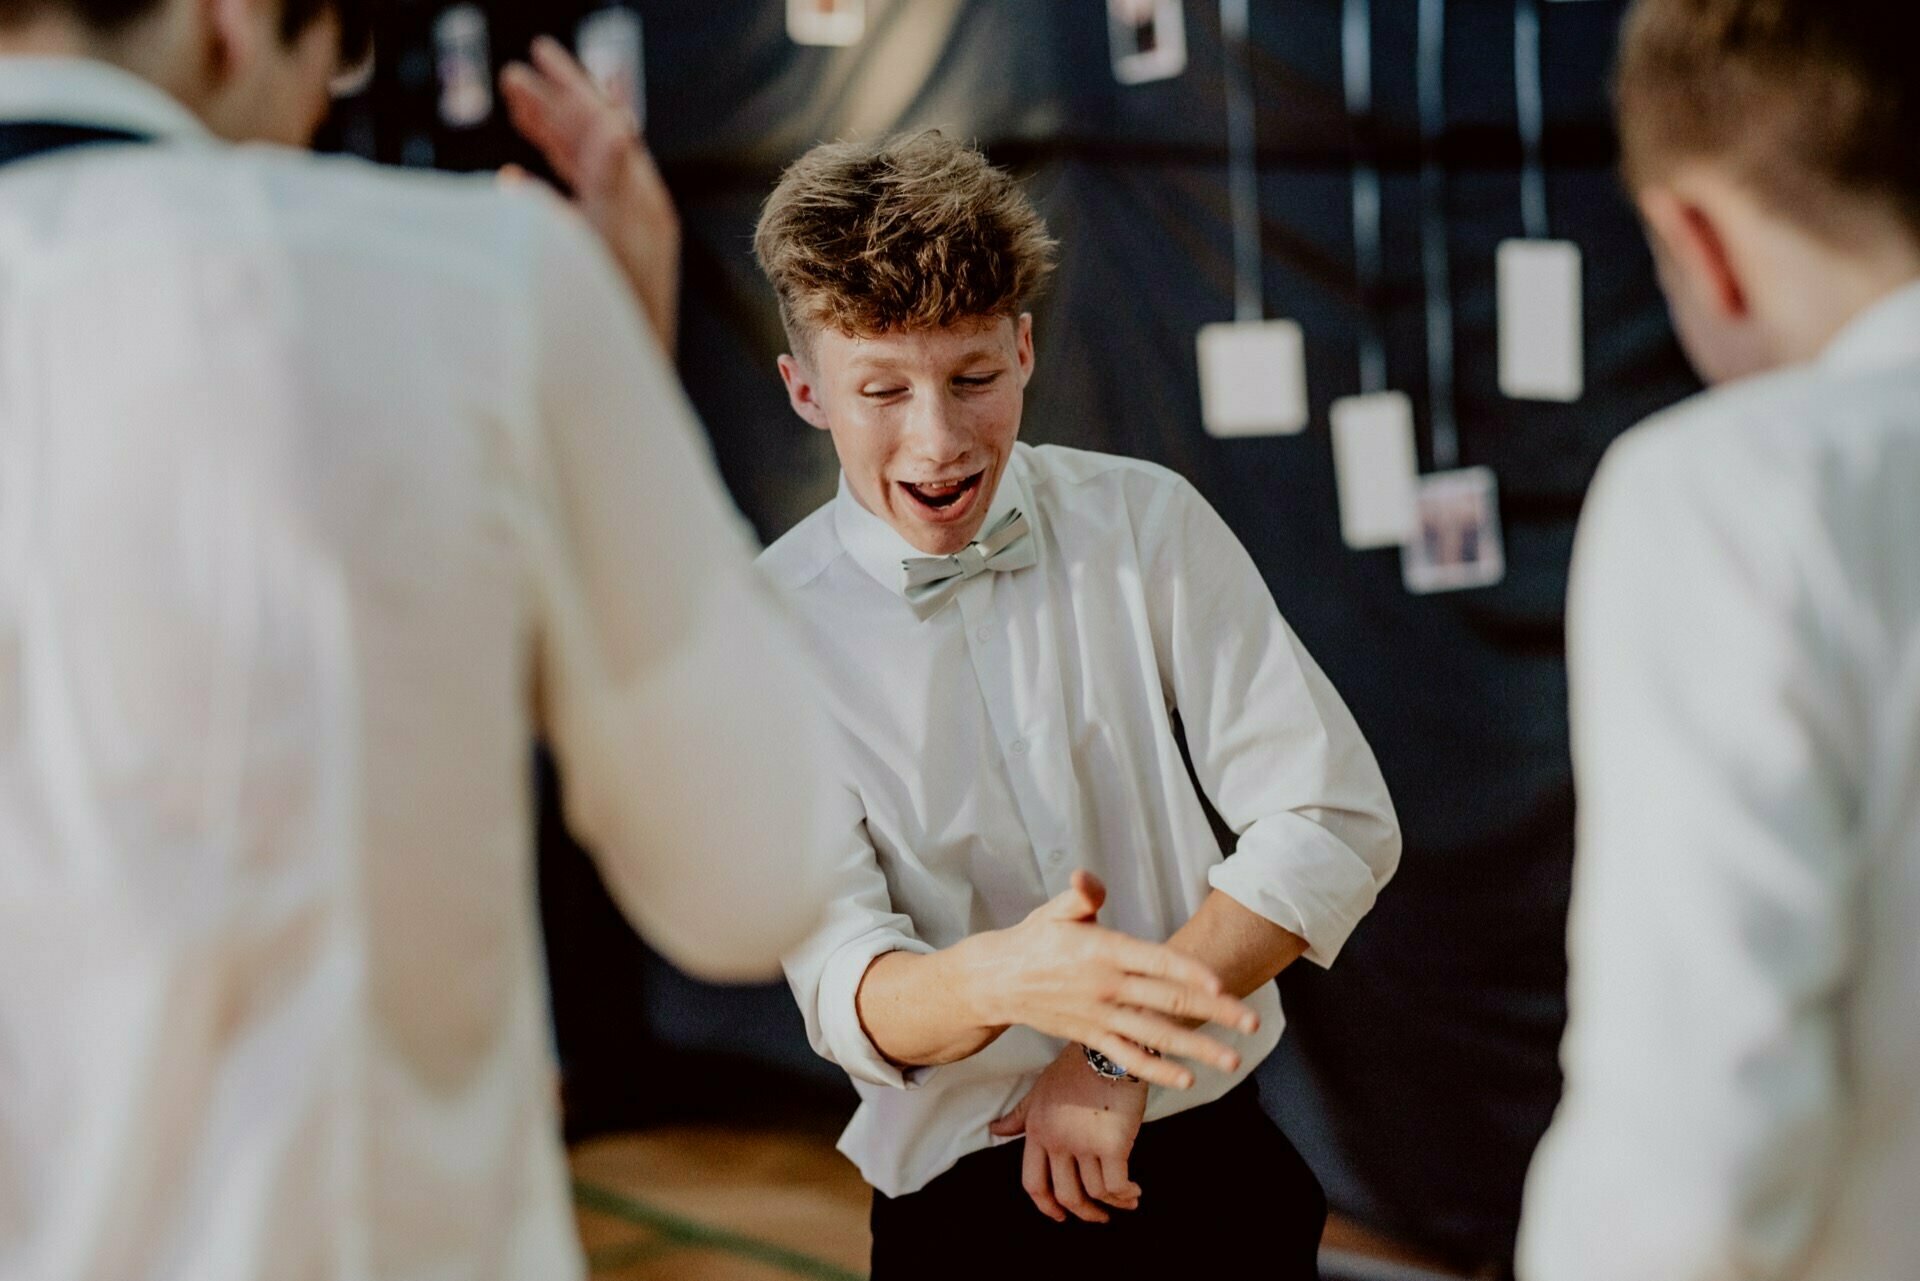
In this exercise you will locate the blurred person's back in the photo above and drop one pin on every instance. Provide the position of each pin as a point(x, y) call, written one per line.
point(323, 490)
point(1743, 1051)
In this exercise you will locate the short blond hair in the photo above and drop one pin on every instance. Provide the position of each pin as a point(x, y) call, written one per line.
point(1800, 100)
point(916, 231)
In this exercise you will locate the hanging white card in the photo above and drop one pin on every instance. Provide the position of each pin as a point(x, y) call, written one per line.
point(826, 22)
point(609, 45)
point(1457, 544)
point(1149, 39)
point(1253, 378)
point(1376, 470)
point(1541, 356)
point(465, 65)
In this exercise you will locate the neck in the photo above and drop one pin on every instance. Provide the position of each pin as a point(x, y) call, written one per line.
point(157, 48)
point(1812, 287)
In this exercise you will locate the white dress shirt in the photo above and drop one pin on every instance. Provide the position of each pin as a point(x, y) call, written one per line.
point(1743, 1055)
point(316, 480)
point(1026, 729)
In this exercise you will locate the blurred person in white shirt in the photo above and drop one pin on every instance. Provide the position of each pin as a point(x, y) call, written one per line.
point(1743, 1052)
point(1007, 636)
point(324, 489)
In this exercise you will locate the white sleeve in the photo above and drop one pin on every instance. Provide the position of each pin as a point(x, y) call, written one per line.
point(1273, 744)
point(683, 723)
point(860, 927)
point(1708, 936)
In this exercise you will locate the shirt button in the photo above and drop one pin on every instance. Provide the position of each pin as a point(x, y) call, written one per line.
point(983, 634)
point(1019, 746)
point(1056, 856)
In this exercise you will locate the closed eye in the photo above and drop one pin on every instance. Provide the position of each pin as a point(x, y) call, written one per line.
point(977, 380)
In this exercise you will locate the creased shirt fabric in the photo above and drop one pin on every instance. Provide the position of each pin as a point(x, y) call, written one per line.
point(323, 490)
point(1026, 729)
point(1743, 1053)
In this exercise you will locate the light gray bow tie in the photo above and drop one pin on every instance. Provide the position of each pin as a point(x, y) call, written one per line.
point(932, 580)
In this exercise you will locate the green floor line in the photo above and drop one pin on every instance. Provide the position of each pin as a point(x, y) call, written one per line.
point(614, 1257)
point(690, 1232)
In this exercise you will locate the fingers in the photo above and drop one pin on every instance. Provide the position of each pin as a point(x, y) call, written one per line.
point(1167, 1037)
point(1168, 1072)
point(1121, 1195)
point(1079, 902)
point(1088, 1167)
point(1014, 1122)
point(1036, 1178)
point(1090, 886)
point(1185, 1003)
point(552, 58)
point(1157, 960)
point(1122, 1191)
point(1068, 1192)
point(534, 106)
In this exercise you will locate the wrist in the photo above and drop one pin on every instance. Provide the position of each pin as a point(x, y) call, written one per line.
point(976, 980)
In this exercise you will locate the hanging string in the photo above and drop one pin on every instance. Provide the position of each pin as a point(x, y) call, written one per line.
point(1532, 112)
point(1356, 61)
point(1433, 234)
point(1243, 181)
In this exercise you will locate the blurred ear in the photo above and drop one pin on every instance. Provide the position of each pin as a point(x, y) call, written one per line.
point(1693, 250)
point(1023, 345)
point(803, 392)
point(233, 32)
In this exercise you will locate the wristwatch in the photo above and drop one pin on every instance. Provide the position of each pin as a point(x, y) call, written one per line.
point(1107, 1067)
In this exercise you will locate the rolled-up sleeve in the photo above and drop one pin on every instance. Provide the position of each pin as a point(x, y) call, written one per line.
point(1273, 745)
point(860, 927)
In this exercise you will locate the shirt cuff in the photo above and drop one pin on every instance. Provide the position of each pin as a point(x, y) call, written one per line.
point(840, 1025)
point(1316, 888)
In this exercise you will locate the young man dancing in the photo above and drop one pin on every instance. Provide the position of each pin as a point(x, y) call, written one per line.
point(1007, 635)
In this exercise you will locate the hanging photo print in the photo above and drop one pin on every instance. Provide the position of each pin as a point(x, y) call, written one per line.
point(826, 22)
point(1149, 40)
point(1457, 544)
point(465, 65)
point(610, 50)
point(1253, 378)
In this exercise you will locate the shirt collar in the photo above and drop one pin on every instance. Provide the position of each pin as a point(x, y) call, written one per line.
point(878, 549)
point(1887, 333)
point(81, 91)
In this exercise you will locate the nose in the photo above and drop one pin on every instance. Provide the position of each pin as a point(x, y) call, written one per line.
point(936, 430)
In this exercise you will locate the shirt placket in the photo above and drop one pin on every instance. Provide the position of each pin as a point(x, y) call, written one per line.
point(1006, 640)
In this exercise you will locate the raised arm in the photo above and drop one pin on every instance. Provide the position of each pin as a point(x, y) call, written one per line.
point(683, 722)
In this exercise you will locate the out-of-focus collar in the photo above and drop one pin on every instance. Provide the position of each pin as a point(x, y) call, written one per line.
point(81, 91)
point(1887, 333)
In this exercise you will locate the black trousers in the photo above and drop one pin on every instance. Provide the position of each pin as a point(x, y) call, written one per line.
point(1217, 1182)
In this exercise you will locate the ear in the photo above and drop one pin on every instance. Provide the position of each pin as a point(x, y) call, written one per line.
point(802, 392)
point(1023, 346)
point(1692, 247)
point(233, 31)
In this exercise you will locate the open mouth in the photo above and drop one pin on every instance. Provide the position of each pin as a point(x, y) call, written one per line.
point(942, 498)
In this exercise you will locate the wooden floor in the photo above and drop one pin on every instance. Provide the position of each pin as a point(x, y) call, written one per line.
point(709, 1204)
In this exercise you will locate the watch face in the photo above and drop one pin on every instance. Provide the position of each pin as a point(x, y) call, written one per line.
point(1103, 1065)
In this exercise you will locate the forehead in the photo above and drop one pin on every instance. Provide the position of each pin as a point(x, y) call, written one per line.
point(991, 337)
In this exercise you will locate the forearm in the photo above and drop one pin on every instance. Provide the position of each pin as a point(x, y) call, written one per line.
point(1243, 947)
point(918, 1010)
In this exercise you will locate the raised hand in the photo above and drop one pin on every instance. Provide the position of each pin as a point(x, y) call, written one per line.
point(594, 146)
point(1062, 974)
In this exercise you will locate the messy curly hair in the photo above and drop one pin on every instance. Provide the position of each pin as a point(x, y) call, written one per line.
point(916, 231)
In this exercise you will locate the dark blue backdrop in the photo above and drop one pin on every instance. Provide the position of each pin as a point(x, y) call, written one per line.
point(1418, 1074)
